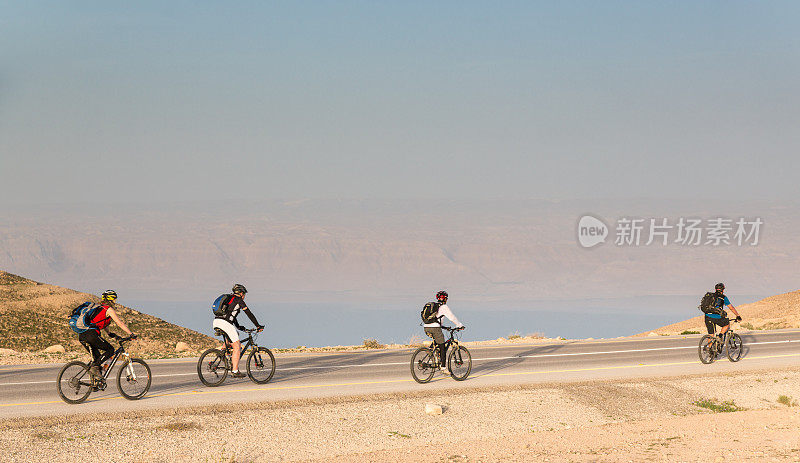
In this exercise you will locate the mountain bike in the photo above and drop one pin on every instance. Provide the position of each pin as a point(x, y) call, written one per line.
point(214, 364)
point(75, 382)
point(425, 360)
point(711, 346)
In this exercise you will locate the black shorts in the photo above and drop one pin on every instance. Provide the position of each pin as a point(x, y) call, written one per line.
point(101, 349)
point(711, 322)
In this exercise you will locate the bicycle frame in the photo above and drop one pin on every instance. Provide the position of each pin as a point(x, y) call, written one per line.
point(120, 352)
point(728, 333)
point(250, 343)
point(117, 354)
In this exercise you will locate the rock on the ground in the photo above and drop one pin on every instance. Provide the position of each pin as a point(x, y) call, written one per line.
point(652, 333)
point(181, 347)
point(55, 349)
point(433, 409)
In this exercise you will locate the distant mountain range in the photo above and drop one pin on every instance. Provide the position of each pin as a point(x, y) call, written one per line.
point(315, 250)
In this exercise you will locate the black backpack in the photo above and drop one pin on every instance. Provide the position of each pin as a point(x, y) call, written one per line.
point(429, 312)
point(708, 304)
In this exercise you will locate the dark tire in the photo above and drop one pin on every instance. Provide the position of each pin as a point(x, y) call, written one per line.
point(459, 362)
point(735, 348)
point(74, 382)
point(134, 379)
point(260, 365)
point(423, 365)
point(707, 349)
point(212, 367)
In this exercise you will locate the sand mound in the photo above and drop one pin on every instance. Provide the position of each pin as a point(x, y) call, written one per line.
point(774, 312)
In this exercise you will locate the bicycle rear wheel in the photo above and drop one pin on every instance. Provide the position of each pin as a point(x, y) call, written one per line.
point(459, 362)
point(423, 365)
point(133, 379)
point(735, 347)
point(212, 367)
point(707, 350)
point(74, 382)
point(260, 365)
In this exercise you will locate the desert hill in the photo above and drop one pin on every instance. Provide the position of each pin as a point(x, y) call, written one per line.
point(34, 315)
point(774, 312)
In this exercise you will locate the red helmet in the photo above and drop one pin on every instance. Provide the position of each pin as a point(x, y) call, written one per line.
point(441, 296)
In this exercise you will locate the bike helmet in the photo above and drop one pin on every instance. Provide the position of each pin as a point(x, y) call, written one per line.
point(441, 296)
point(237, 288)
point(109, 295)
point(719, 287)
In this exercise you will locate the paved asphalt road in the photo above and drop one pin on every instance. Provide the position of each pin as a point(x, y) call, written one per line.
point(30, 390)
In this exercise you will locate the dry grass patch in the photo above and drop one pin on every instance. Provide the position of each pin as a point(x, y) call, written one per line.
point(45, 435)
point(180, 426)
point(373, 344)
point(724, 407)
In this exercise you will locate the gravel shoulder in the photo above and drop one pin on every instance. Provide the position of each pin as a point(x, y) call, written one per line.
point(630, 420)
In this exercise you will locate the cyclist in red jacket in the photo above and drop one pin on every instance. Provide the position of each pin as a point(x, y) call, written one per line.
point(90, 339)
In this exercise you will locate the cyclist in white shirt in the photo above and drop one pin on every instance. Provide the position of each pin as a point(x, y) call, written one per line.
point(433, 325)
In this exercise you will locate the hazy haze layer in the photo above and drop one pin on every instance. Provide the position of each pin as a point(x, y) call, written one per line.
point(387, 251)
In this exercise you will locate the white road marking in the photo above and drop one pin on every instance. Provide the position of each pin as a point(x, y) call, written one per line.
point(29, 382)
point(474, 360)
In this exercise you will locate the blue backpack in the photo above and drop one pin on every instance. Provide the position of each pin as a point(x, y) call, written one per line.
point(220, 305)
point(80, 320)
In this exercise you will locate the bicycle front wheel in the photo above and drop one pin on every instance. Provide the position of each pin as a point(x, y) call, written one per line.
point(707, 350)
point(260, 365)
point(459, 362)
point(423, 365)
point(133, 379)
point(735, 347)
point(74, 382)
point(212, 367)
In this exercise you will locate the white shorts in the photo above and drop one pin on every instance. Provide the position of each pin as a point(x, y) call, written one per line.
point(227, 327)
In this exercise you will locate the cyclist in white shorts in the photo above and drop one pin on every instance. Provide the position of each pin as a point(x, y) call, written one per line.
point(227, 323)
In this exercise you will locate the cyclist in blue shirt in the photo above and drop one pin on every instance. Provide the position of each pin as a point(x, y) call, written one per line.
point(720, 317)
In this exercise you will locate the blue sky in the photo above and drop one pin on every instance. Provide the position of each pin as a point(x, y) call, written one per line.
point(165, 101)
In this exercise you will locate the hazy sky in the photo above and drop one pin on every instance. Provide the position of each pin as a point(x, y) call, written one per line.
point(151, 101)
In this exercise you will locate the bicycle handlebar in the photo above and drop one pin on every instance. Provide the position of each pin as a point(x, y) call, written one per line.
point(449, 328)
